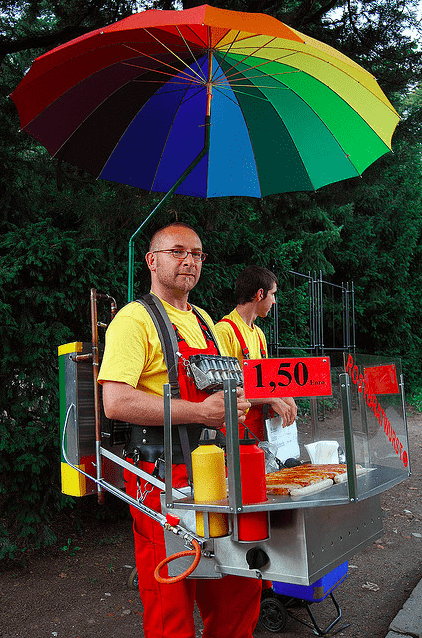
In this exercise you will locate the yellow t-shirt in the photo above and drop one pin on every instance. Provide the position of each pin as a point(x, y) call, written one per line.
point(133, 352)
point(230, 343)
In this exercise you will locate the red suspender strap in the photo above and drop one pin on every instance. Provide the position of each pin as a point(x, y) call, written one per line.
point(241, 340)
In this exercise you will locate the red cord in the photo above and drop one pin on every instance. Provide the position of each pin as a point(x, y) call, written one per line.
point(175, 579)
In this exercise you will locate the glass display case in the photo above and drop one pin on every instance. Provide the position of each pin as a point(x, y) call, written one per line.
point(361, 415)
point(362, 411)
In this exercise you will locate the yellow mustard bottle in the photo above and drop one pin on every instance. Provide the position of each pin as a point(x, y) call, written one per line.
point(209, 485)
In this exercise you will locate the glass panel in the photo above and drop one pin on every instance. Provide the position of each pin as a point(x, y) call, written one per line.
point(378, 421)
point(378, 430)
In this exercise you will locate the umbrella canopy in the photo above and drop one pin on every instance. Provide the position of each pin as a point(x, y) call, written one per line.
point(129, 103)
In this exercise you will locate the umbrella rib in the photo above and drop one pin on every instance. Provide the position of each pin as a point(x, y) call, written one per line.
point(253, 53)
point(257, 66)
point(190, 51)
point(235, 82)
point(182, 80)
point(311, 55)
point(160, 62)
point(164, 82)
point(170, 51)
point(222, 91)
point(255, 50)
point(226, 53)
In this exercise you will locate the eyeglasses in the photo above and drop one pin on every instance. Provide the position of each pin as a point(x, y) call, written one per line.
point(179, 253)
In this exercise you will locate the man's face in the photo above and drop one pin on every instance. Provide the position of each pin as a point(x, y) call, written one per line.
point(266, 303)
point(177, 276)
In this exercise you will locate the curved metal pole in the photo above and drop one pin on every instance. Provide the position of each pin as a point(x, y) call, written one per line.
point(95, 369)
point(161, 202)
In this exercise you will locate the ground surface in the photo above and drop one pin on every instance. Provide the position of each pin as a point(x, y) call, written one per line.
point(80, 589)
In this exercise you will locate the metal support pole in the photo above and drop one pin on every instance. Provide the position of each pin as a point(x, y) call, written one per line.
point(348, 436)
point(97, 407)
point(232, 441)
point(321, 315)
point(353, 320)
point(168, 448)
point(312, 322)
point(403, 403)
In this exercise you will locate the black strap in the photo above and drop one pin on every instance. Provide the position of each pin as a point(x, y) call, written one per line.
point(167, 338)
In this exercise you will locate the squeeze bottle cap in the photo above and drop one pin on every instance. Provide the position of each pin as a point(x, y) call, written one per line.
point(206, 440)
point(247, 440)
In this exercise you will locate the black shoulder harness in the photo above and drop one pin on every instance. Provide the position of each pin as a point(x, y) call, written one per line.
point(167, 336)
point(168, 339)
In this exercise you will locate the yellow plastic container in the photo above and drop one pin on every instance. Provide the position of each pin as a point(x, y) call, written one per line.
point(209, 485)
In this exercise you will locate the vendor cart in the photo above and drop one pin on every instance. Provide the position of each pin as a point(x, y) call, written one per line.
point(309, 536)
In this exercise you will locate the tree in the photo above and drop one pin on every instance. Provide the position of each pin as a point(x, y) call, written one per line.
point(37, 25)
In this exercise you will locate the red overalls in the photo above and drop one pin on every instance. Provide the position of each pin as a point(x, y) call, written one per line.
point(168, 608)
point(255, 417)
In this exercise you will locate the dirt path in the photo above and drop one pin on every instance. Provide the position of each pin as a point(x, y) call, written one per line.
point(82, 591)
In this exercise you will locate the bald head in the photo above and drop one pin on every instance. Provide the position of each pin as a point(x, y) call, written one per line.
point(162, 234)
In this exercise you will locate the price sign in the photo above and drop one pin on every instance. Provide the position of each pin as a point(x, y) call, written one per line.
point(302, 377)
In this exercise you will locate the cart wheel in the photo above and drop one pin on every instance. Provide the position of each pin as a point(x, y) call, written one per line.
point(273, 615)
point(132, 582)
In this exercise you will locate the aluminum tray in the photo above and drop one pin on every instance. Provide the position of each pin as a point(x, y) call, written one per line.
point(374, 482)
point(305, 544)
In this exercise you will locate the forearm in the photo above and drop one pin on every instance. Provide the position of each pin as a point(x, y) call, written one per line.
point(124, 403)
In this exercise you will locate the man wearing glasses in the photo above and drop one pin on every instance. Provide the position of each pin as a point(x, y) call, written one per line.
point(133, 372)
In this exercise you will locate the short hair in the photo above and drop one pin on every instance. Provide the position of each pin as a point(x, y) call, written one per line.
point(251, 280)
point(170, 225)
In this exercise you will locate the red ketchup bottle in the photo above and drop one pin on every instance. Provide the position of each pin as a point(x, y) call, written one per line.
point(252, 526)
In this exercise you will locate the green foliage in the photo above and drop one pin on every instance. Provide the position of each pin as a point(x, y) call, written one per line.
point(415, 399)
point(70, 548)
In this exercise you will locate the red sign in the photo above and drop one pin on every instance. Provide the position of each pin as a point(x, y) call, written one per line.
point(301, 377)
point(381, 379)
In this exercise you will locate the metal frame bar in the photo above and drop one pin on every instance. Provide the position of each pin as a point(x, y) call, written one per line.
point(317, 344)
point(348, 436)
point(232, 441)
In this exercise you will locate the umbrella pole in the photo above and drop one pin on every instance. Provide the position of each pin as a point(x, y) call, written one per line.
point(161, 202)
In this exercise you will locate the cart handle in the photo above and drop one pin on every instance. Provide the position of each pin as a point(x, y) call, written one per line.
point(175, 579)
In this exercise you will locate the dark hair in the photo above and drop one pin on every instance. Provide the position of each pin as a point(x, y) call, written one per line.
point(163, 228)
point(251, 280)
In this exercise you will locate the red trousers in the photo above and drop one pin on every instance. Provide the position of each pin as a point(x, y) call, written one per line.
point(229, 606)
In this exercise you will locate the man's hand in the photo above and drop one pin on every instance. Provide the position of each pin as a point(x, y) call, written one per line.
point(211, 411)
point(286, 408)
point(243, 405)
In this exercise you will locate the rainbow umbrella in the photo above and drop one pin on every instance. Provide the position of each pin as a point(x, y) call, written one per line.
point(128, 104)
point(206, 102)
